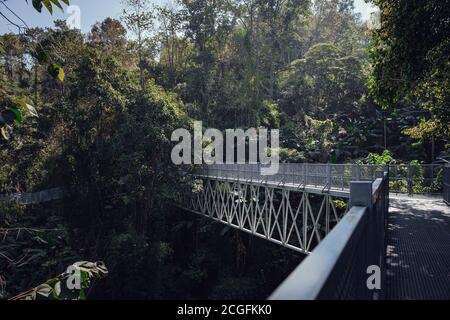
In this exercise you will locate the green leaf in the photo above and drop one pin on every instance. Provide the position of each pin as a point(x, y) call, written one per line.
point(37, 4)
point(42, 56)
point(61, 75)
point(32, 111)
point(82, 295)
point(44, 290)
point(27, 107)
point(48, 5)
point(5, 133)
point(8, 117)
point(18, 115)
point(52, 282)
point(56, 2)
point(84, 279)
point(57, 290)
point(56, 71)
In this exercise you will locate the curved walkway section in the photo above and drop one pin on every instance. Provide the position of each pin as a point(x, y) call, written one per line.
point(418, 252)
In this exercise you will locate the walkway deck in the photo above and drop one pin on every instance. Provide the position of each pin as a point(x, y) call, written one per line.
point(418, 253)
point(341, 192)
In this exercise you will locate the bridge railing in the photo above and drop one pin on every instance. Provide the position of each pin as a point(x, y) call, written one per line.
point(35, 197)
point(338, 267)
point(332, 176)
point(404, 178)
point(446, 184)
point(416, 178)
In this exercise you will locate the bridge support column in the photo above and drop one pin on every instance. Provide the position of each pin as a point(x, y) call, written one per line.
point(361, 194)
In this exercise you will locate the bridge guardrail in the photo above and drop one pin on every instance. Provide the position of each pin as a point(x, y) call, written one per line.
point(416, 178)
point(404, 178)
point(295, 217)
point(337, 268)
point(333, 176)
point(35, 197)
point(446, 184)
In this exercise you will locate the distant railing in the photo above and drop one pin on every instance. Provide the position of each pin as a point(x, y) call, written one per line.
point(416, 178)
point(404, 178)
point(328, 176)
point(446, 183)
point(338, 267)
point(34, 198)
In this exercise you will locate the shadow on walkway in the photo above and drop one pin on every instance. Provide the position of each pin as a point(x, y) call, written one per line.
point(418, 252)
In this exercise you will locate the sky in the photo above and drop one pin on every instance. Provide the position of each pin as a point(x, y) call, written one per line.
point(93, 11)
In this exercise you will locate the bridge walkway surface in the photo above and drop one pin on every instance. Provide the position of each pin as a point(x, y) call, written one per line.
point(418, 251)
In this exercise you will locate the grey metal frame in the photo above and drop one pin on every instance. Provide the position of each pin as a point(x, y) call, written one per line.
point(416, 178)
point(337, 268)
point(36, 197)
point(446, 184)
point(332, 177)
point(294, 217)
point(404, 178)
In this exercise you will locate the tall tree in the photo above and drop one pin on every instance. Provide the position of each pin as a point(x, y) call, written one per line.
point(410, 54)
point(109, 32)
point(207, 24)
point(139, 19)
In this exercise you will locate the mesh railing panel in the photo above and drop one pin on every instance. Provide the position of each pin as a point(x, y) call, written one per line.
point(408, 179)
point(446, 184)
point(334, 176)
point(337, 268)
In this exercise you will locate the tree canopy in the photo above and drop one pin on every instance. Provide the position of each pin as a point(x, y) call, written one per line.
point(94, 113)
point(410, 60)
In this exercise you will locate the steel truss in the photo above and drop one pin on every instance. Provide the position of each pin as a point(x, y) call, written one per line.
point(296, 219)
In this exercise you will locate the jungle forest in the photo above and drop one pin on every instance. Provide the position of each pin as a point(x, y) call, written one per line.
point(92, 114)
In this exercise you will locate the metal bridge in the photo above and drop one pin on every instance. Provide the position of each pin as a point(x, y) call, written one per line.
point(346, 218)
point(296, 208)
point(339, 216)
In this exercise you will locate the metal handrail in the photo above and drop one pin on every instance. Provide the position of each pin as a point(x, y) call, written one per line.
point(333, 176)
point(308, 281)
point(446, 184)
point(336, 269)
point(416, 178)
point(35, 197)
point(404, 178)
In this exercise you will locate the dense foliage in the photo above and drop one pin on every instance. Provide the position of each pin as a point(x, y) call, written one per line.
point(108, 102)
point(411, 67)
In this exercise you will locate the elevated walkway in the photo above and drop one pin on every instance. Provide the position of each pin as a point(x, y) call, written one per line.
point(418, 249)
